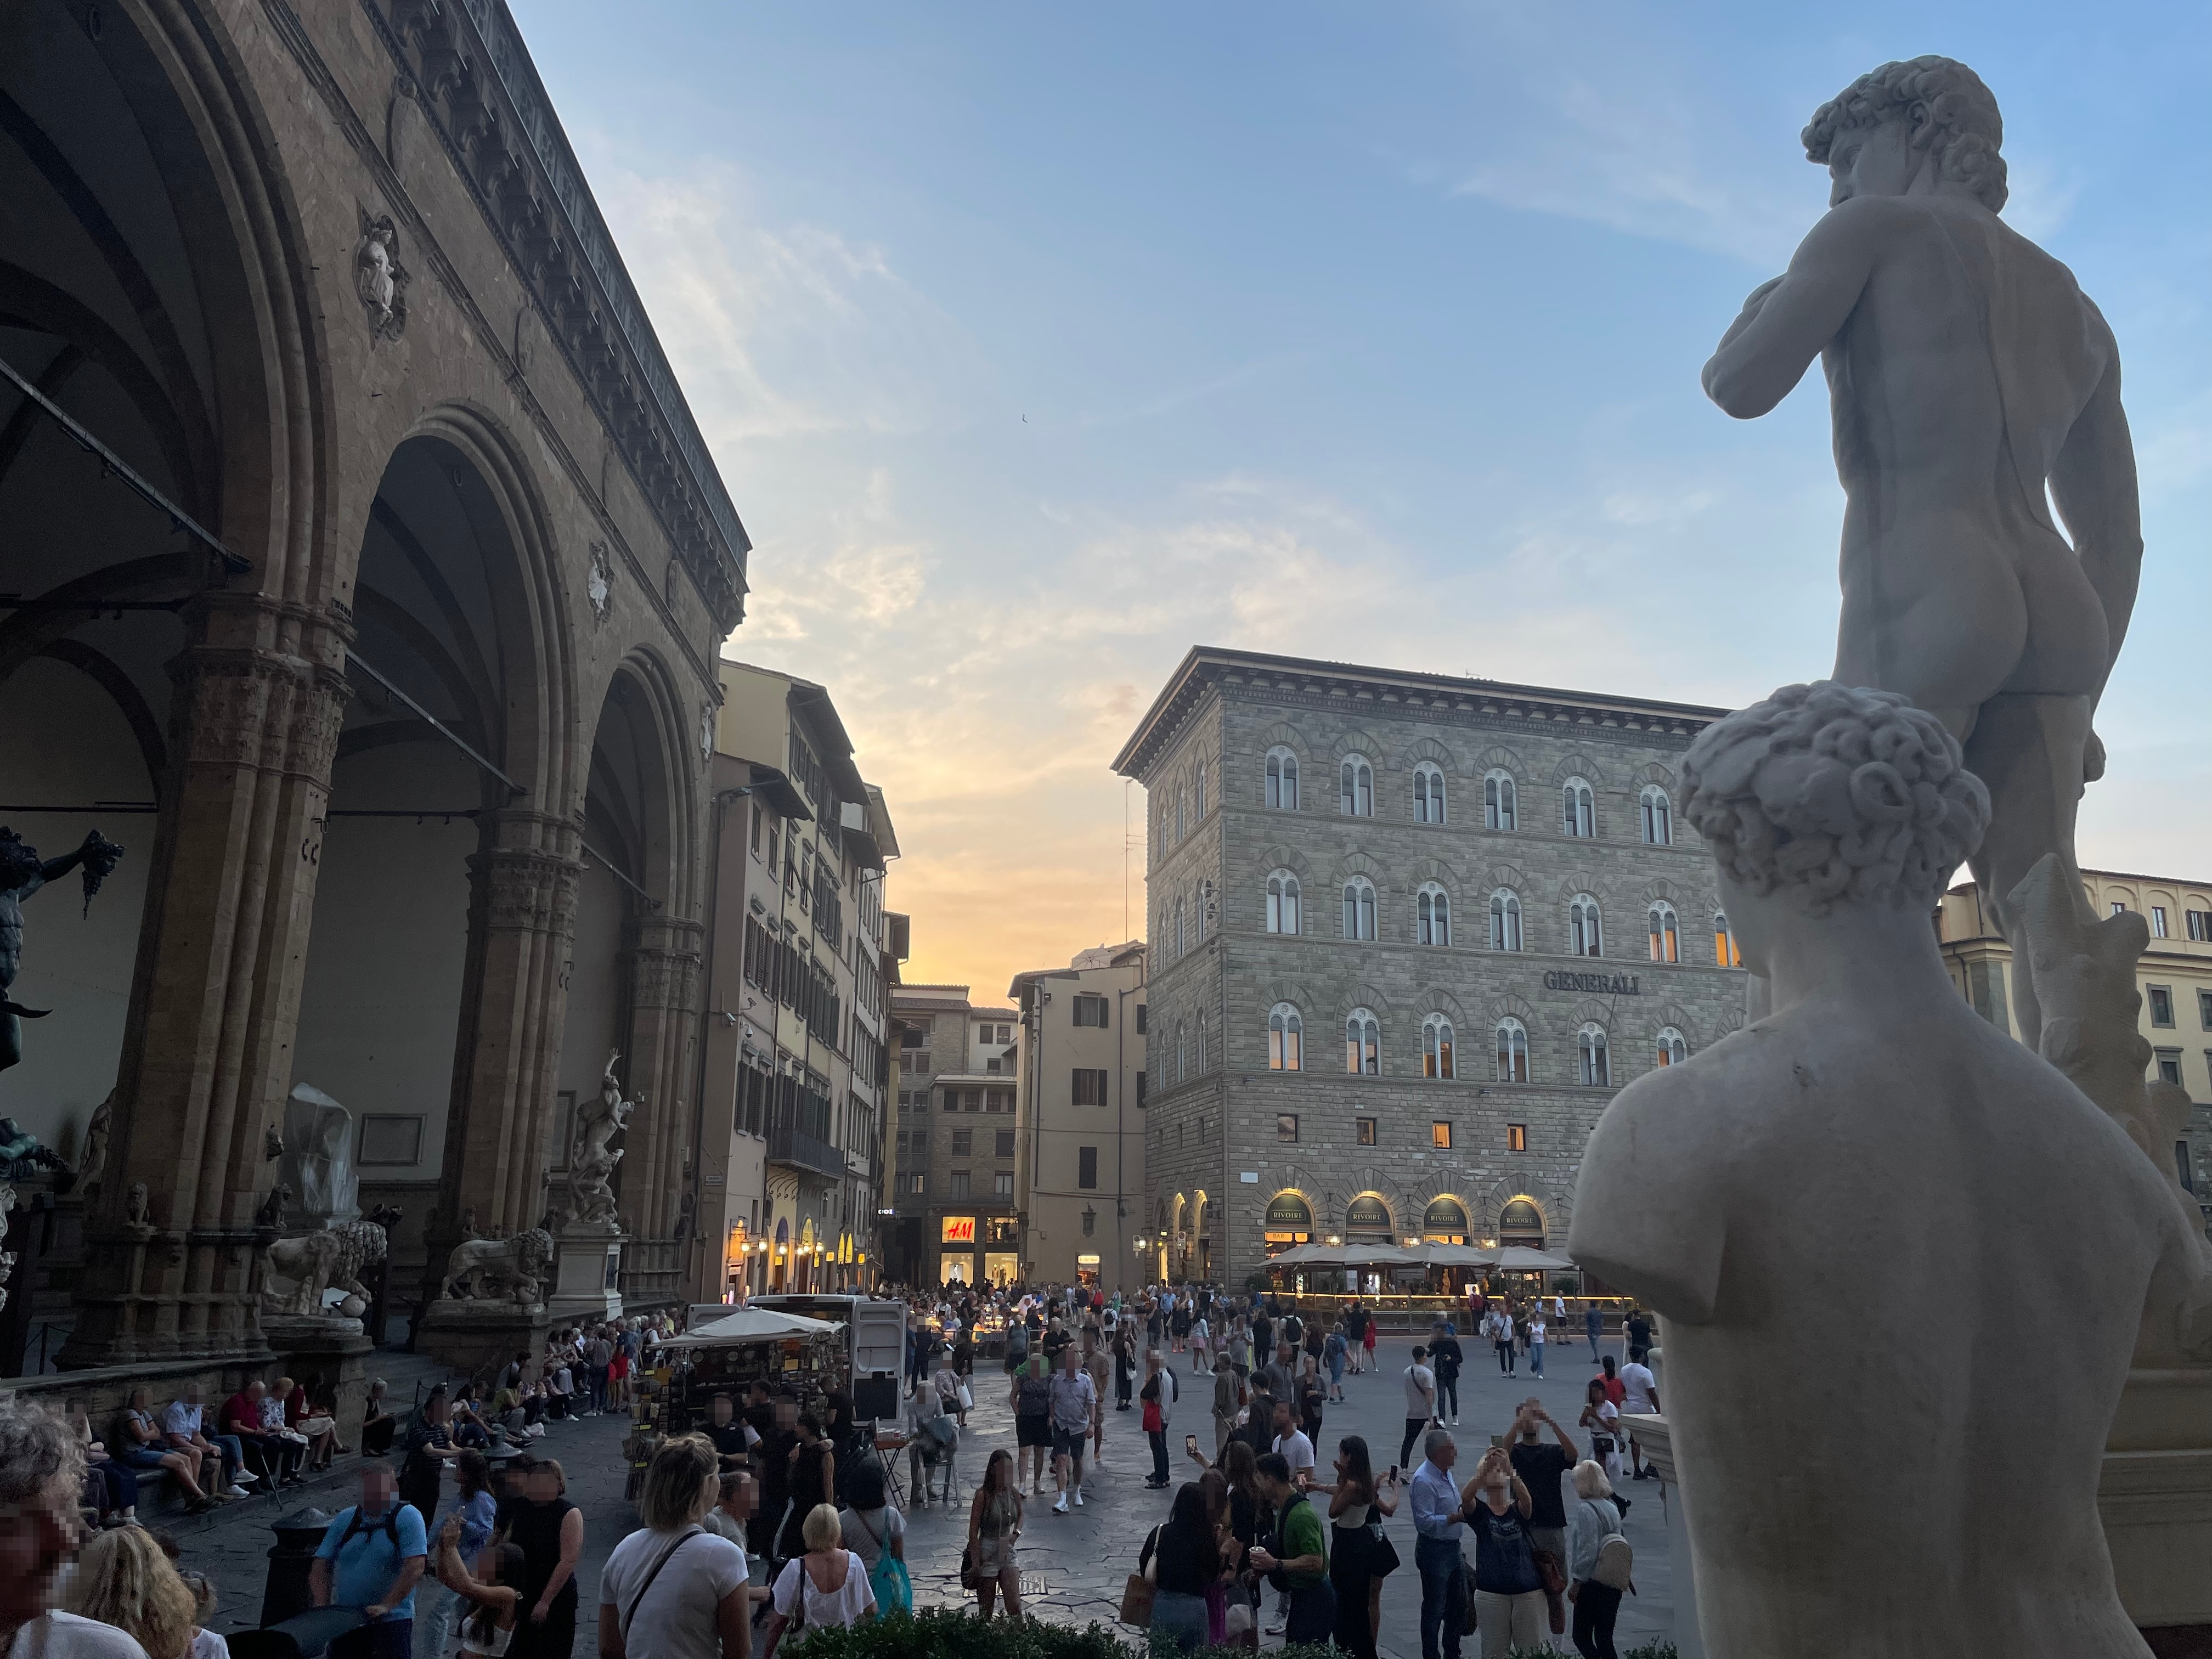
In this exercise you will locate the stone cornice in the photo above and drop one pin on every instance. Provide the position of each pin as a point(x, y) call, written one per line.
point(474, 80)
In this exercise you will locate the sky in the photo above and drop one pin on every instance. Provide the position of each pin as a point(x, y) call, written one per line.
point(1037, 343)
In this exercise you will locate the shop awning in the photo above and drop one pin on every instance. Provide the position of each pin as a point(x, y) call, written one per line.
point(751, 1325)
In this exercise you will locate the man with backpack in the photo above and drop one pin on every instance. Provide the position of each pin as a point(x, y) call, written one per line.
point(371, 1556)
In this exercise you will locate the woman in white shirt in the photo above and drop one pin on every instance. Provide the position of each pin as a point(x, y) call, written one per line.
point(827, 1586)
point(672, 1589)
point(1602, 1418)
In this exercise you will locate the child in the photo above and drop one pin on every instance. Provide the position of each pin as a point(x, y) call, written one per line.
point(486, 1631)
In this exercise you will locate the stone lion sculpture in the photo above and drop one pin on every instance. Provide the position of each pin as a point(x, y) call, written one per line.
point(331, 1260)
point(513, 1268)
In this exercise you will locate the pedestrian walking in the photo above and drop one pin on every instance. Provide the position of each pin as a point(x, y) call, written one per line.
point(1334, 1352)
point(1228, 1401)
point(1420, 1383)
point(1438, 1514)
point(1499, 1327)
point(1201, 1337)
point(1125, 1367)
point(1181, 1560)
point(1509, 1592)
point(372, 1556)
point(823, 1588)
point(673, 1589)
point(1030, 1400)
point(475, 1513)
point(1298, 1553)
point(1361, 1554)
point(429, 1448)
point(1536, 1343)
point(994, 1522)
point(550, 1529)
point(1445, 1359)
point(1639, 1395)
point(875, 1531)
point(1593, 1328)
point(1074, 1409)
point(1602, 1418)
point(1367, 1341)
point(813, 1484)
point(1599, 1549)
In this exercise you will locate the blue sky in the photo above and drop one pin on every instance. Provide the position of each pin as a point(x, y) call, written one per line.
point(1036, 343)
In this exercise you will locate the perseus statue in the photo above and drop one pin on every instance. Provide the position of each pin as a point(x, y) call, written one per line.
point(22, 872)
point(1967, 374)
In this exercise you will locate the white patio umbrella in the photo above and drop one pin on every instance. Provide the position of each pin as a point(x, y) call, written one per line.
point(751, 1325)
point(1520, 1259)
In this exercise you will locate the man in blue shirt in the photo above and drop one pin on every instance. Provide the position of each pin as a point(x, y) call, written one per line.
point(1438, 1513)
point(370, 1559)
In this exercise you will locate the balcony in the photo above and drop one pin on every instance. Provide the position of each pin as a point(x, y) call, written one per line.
point(801, 1151)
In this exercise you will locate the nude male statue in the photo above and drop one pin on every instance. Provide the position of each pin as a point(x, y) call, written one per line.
point(22, 872)
point(1873, 1158)
point(1966, 371)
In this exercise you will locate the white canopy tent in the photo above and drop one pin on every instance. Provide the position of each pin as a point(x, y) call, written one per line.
point(751, 1325)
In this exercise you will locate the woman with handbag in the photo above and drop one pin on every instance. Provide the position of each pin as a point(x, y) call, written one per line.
point(1361, 1555)
point(1602, 1418)
point(1158, 1397)
point(825, 1588)
point(876, 1533)
point(1599, 1563)
point(669, 1590)
point(994, 1522)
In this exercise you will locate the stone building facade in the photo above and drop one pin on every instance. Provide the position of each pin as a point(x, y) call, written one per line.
point(392, 661)
point(957, 1141)
point(1409, 933)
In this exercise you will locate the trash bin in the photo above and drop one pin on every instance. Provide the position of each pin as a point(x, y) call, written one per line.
point(303, 1636)
point(291, 1563)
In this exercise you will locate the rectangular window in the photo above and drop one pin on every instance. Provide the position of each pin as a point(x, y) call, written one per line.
point(1091, 1011)
point(1140, 1019)
point(390, 1139)
point(1516, 1137)
point(2204, 1009)
point(915, 1183)
point(1086, 1166)
point(2158, 921)
point(2169, 1065)
point(1365, 1127)
point(961, 1139)
point(1087, 1086)
point(2181, 1166)
point(994, 1067)
point(1286, 1126)
point(1002, 1184)
point(2200, 925)
point(1440, 1135)
point(973, 1103)
point(1144, 1077)
point(952, 1100)
point(2119, 909)
point(1005, 1143)
point(2161, 1004)
point(1006, 1034)
point(959, 1184)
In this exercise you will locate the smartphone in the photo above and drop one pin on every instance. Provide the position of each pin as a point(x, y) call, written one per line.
point(1190, 1443)
point(1394, 1471)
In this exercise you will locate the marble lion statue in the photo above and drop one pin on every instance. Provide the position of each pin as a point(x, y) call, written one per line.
point(331, 1260)
point(514, 1268)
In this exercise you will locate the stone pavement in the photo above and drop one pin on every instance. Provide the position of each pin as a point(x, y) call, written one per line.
point(1072, 1566)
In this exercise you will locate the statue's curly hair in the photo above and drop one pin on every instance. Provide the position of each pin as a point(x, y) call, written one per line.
point(1841, 793)
point(1964, 128)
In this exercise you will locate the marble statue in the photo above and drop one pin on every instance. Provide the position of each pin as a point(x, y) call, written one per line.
point(592, 1160)
point(510, 1268)
point(1966, 373)
point(92, 1166)
point(1875, 1193)
point(22, 872)
point(318, 1160)
point(309, 1265)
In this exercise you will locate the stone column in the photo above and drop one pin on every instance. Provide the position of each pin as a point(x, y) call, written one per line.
point(661, 1062)
point(207, 1050)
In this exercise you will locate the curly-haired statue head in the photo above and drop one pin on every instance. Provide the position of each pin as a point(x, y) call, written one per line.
point(1833, 794)
point(1952, 116)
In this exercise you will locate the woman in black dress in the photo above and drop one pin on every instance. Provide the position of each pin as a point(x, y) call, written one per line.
point(1361, 1554)
point(549, 1530)
point(813, 1480)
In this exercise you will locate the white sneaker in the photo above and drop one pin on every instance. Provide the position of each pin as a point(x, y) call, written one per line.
point(1060, 1508)
point(1078, 1498)
point(236, 1492)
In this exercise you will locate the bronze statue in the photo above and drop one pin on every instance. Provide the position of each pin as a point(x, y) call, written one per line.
point(22, 872)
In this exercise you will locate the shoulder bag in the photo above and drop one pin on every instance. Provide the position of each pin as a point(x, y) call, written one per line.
point(1616, 1557)
point(889, 1582)
point(1138, 1593)
point(666, 1556)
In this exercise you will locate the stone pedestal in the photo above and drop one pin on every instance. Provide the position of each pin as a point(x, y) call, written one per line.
point(587, 1278)
point(2156, 1502)
point(475, 1336)
point(1656, 1442)
point(335, 1347)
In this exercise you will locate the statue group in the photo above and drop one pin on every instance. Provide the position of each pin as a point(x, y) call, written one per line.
point(1869, 1189)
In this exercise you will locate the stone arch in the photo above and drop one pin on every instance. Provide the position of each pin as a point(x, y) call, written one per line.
point(1434, 999)
point(1426, 748)
point(1662, 889)
point(1353, 741)
point(1287, 736)
point(1578, 763)
point(1276, 855)
point(1674, 1014)
point(1510, 1006)
point(1356, 863)
point(1497, 756)
point(1436, 870)
point(1593, 1011)
point(1651, 772)
point(1369, 996)
point(1510, 875)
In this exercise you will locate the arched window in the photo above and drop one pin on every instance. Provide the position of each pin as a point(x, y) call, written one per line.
point(1182, 1051)
point(1505, 920)
point(1355, 790)
point(1595, 1069)
point(1198, 914)
point(1362, 1043)
point(1437, 1047)
point(1585, 937)
point(1183, 806)
point(1578, 809)
point(1282, 779)
point(1672, 1050)
point(1666, 934)
point(1657, 813)
point(1199, 1057)
point(1725, 949)
point(1432, 915)
point(1282, 903)
point(1198, 785)
point(1512, 1051)
point(1428, 793)
point(1285, 1039)
point(1179, 921)
point(1498, 809)
point(1359, 908)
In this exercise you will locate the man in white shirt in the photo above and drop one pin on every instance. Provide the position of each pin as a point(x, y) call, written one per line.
point(1290, 1443)
point(1074, 1413)
point(1420, 1404)
point(1640, 1392)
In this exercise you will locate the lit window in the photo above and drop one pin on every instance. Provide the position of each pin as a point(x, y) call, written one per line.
point(1355, 795)
point(1285, 1039)
point(1362, 1043)
point(1512, 1051)
point(1286, 1126)
point(2158, 921)
point(1666, 937)
point(1725, 947)
point(1282, 793)
point(1516, 1137)
point(1365, 1130)
point(1505, 920)
point(1585, 938)
point(1432, 915)
point(1595, 1067)
point(1359, 908)
point(1440, 1135)
point(1578, 809)
point(1428, 793)
point(1437, 1047)
point(2161, 1005)
point(1498, 811)
point(1656, 817)
point(1282, 903)
point(1672, 1050)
